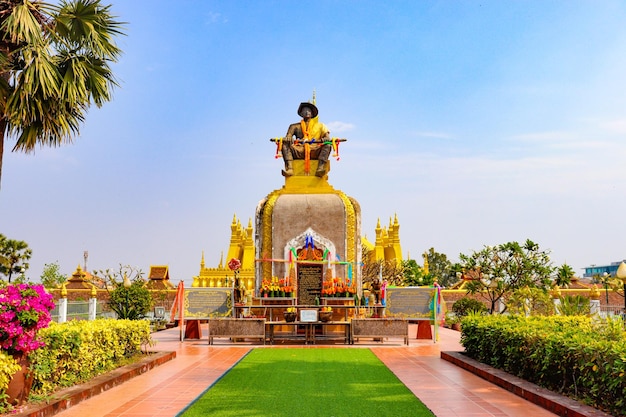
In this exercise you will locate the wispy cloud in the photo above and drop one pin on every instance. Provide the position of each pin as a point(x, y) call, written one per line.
point(339, 127)
point(215, 17)
point(614, 126)
point(550, 136)
point(566, 141)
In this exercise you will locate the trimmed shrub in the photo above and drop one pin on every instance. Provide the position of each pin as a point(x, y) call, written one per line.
point(463, 306)
point(577, 356)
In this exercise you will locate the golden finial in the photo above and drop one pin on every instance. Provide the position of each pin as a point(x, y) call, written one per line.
point(314, 99)
point(594, 294)
point(63, 291)
point(555, 293)
point(94, 292)
point(78, 274)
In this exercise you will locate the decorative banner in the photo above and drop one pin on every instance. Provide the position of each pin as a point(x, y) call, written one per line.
point(308, 242)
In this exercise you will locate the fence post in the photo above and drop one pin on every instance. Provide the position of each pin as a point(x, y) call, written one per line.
point(556, 299)
point(594, 300)
point(63, 305)
point(500, 306)
point(93, 303)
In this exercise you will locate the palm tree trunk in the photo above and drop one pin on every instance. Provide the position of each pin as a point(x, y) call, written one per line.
point(3, 126)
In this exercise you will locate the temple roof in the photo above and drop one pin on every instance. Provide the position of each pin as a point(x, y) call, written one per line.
point(159, 277)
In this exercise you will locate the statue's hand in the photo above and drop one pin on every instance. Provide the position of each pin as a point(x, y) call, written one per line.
point(288, 141)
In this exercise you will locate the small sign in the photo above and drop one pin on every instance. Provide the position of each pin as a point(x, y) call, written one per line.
point(308, 316)
point(159, 312)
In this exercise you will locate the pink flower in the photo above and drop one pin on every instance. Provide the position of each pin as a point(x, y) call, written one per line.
point(24, 309)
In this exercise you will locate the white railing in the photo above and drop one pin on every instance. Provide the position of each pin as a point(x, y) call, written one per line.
point(611, 310)
point(76, 310)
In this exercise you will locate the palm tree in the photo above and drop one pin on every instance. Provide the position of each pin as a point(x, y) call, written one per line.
point(564, 276)
point(54, 63)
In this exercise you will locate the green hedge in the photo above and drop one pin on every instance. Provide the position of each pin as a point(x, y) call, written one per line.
point(77, 351)
point(577, 356)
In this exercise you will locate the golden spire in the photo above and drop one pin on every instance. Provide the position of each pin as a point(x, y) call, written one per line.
point(314, 99)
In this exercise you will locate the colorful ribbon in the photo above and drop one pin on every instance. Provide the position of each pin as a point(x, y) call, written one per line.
point(335, 145)
point(279, 147)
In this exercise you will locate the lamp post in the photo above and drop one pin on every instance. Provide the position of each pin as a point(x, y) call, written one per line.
point(621, 274)
point(127, 285)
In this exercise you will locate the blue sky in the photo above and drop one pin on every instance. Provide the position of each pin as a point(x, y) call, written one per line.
point(477, 123)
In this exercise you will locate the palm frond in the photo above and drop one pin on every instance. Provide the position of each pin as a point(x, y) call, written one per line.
point(87, 25)
point(23, 25)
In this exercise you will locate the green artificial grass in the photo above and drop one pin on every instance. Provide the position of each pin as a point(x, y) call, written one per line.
point(308, 382)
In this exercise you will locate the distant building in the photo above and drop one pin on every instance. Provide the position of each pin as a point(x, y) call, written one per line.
point(599, 270)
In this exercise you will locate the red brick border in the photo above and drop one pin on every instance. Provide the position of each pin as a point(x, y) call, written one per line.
point(558, 404)
point(62, 400)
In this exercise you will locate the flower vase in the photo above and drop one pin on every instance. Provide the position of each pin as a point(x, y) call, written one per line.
point(21, 382)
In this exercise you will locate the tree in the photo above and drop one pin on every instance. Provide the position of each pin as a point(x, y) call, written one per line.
point(564, 275)
point(413, 273)
point(530, 302)
point(502, 269)
point(14, 255)
point(54, 63)
point(51, 277)
point(440, 267)
point(128, 296)
point(391, 271)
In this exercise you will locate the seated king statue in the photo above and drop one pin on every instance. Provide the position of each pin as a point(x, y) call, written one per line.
point(309, 139)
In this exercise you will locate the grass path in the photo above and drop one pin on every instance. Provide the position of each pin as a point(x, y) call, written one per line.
point(308, 382)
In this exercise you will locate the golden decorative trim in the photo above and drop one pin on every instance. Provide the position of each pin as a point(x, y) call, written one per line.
point(350, 227)
point(266, 238)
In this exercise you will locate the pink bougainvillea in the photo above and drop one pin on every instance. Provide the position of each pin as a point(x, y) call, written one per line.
point(24, 309)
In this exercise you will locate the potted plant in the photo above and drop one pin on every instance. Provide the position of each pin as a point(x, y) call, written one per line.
point(326, 314)
point(290, 314)
point(464, 306)
point(453, 321)
point(24, 309)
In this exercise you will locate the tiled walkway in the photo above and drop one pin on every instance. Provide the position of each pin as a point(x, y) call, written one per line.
point(166, 390)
